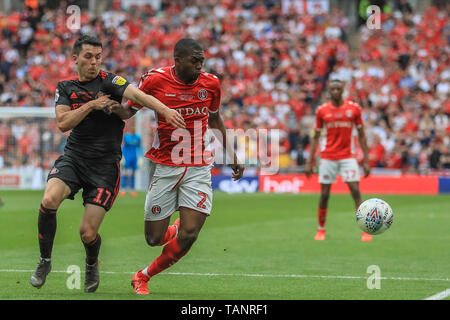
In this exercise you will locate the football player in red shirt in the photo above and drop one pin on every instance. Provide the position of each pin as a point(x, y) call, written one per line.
point(181, 160)
point(336, 119)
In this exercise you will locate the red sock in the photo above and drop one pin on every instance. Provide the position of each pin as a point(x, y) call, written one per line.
point(322, 217)
point(171, 254)
point(170, 233)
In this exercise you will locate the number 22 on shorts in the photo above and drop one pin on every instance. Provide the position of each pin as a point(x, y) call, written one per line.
point(349, 174)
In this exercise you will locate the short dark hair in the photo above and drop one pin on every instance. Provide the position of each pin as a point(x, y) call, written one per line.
point(85, 39)
point(185, 46)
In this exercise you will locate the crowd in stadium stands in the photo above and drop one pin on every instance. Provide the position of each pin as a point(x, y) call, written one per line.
point(273, 64)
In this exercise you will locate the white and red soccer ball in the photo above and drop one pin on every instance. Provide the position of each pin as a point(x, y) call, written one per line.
point(374, 216)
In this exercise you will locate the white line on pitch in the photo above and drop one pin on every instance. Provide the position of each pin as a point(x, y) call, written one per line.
point(439, 296)
point(253, 275)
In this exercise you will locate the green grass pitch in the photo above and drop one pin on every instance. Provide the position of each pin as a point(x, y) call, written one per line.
point(252, 247)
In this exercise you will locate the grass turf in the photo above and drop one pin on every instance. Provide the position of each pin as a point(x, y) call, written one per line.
point(252, 247)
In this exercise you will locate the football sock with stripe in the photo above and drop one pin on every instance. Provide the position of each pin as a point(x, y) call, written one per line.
point(46, 231)
point(170, 233)
point(92, 250)
point(171, 253)
point(322, 217)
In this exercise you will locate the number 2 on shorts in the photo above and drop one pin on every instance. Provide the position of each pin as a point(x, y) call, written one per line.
point(201, 203)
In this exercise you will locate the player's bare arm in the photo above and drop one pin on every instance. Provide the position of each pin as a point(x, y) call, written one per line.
point(215, 122)
point(365, 150)
point(172, 117)
point(310, 162)
point(68, 119)
point(123, 112)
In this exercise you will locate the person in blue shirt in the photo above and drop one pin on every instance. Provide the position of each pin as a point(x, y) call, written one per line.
point(131, 151)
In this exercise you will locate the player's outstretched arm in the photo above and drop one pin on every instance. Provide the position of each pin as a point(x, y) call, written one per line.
point(172, 117)
point(68, 119)
point(123, 112)
point(312, 151)
point(215, 122)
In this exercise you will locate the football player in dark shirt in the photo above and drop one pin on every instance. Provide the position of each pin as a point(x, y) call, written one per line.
point(92, 153)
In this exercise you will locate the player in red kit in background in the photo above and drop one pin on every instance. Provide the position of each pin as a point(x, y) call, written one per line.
point(181, 160)
point(337, 118)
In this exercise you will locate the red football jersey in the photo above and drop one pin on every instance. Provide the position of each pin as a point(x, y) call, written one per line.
point(182, 147)
point(338, 124)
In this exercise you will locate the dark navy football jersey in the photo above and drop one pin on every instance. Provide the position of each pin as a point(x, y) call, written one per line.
point(98, 136)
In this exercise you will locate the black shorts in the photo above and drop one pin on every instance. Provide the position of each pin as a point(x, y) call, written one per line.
point(100, 181)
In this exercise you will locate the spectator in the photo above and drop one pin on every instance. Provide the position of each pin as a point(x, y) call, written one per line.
point(273, 60)
point(376, 153)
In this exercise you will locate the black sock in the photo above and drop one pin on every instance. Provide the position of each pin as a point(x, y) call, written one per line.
point(47, 231)
point(92, 250)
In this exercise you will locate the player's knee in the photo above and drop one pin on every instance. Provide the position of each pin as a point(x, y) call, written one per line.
point(324, 196)
point(355, 193)
point(187, 238)
point(153, 240)
point(50, 201)
point(88, 234)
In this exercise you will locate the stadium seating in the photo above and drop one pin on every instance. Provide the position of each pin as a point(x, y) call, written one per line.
point(273, 65)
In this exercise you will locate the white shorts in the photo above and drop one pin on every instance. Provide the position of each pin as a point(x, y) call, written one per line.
point(329, 169)
point(175, 187)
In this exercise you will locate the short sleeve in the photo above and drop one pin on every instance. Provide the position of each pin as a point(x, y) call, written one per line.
point(145, 84)
point(215, 103)
point(61, 96)
point(358, 117)
point(114, 85)
point(319, 121)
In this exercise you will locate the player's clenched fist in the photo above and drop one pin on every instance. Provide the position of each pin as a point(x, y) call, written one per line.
point(174, 118)
point(112, 106)
point(99, 103)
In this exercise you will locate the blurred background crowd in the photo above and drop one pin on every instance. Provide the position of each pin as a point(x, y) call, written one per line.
point(273, 58)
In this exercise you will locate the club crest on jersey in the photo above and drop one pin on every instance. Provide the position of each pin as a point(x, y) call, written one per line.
point(119, 80)
point(202, 94)
point(156, 209)
point(348, 113)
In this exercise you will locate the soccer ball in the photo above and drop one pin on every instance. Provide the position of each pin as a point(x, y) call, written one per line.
point(374, 216)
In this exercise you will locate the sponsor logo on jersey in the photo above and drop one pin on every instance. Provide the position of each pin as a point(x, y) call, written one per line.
point(186, 97)
point(191, 111)
point(83, 95)
point(339, 124)
point(202, 94)
point(119, 80)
